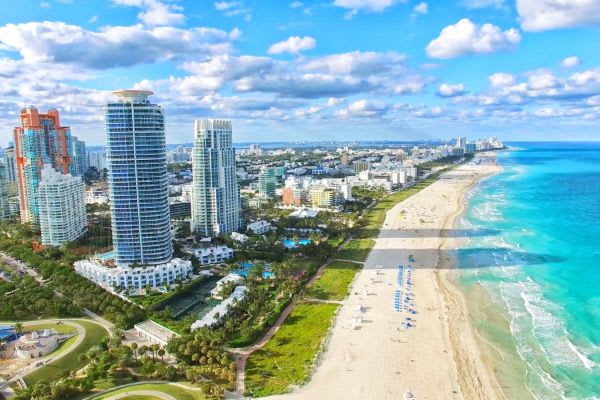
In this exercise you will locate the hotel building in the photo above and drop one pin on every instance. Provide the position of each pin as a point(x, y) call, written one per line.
point(39, 140)
point(215, 191)
point(62, 207)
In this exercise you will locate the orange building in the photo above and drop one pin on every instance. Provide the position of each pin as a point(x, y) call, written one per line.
point(39, 140)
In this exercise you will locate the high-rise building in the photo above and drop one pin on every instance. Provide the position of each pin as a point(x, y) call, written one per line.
point(361, 165)
point(62, 207)
point(267, 182)
point(137, 179)
point(215, 191)
point(79, 156)
point(39, 140)
point(97, 160)
point(5, 211)
point(10, 160)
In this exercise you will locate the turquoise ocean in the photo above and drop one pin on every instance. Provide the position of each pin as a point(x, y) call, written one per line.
point(532, 255)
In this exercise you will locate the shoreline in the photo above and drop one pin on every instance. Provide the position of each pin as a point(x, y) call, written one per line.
point(381, 359)
point(477, 378)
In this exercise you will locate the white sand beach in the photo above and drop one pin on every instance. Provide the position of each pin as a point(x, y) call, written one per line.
point(438, 358)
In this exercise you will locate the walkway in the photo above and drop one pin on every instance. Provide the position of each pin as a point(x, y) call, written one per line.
point(149, 393)
point(156, 393)
point(245, 352)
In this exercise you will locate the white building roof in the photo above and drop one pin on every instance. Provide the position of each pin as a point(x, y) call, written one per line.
point(154, 329)
point(221, 309)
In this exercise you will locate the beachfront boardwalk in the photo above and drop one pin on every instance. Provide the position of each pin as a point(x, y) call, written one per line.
point(370, 353)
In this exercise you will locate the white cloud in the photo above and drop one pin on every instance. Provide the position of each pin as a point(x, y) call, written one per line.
point(465, 37)
point(45, 4)
point(363, 109)
point(367, 5)
point(293, 45)
point(296, 4)
point(112, 46)
point(570, 62)
point(501, 79)
point(447, 90)
point(234, 8)
point(155, 12)
point(483, 3)
point(421, 8)
point(541, 15)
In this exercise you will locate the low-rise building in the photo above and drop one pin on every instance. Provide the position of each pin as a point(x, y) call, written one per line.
point(213, 254)
point(239, 237)
point(229, 278)
point(259, 227)
point(221, 309)
point(110, 276)
point(154, 333)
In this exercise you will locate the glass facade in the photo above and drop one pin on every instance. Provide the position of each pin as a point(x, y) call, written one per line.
point(137, 177)
point(215, 191)
point(39, 140)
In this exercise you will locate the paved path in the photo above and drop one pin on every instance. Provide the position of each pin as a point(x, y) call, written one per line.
point(153, 393)
point(21, 266)
point(245, 352)
point(133, 391)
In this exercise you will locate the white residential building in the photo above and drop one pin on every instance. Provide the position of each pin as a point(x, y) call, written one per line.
point(213, 254)
point(215, 192)
point(221, 309)
point(109, 276)
point(259, 227)
point(227, 279)
point(61, 206)
point(239, 237)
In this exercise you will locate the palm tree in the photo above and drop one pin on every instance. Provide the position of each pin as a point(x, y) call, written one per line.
point(134, 347)
point(18, 328)
point(143, 350)
point(154, 347)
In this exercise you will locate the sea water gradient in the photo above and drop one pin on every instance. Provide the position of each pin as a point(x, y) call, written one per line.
point(534, 245)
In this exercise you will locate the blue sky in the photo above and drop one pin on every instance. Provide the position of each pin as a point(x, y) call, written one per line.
point(312, 70)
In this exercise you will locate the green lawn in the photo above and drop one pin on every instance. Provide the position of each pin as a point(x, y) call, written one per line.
point(175, 391)
point(357, 250)
point(93, 335)
point(138, 397)
point(288, 357)
point(334, 283)
point(60, 328)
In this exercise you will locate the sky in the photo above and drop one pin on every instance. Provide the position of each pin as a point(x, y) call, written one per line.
point(311, 70)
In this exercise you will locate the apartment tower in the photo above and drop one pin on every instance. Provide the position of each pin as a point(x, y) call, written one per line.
point(215, 191)
point(39, 140)
point(62, 207)
point(137, 179)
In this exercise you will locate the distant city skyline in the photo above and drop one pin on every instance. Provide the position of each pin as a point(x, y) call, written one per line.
point(306, 70)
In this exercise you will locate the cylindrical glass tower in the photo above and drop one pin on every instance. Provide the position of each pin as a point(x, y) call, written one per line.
point(137, 178)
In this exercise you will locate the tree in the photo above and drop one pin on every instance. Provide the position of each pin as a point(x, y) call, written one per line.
point(154, 347)
point(161, 353)
point(134, 347)
point(18, 328)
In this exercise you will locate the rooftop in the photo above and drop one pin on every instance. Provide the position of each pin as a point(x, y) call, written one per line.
point(156, 330)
